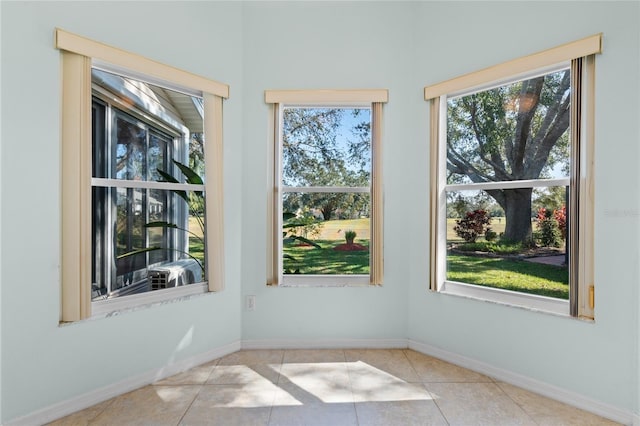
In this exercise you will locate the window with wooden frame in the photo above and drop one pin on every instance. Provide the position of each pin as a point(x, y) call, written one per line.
point(142, 216)
point(512, 181)
point(325, 187)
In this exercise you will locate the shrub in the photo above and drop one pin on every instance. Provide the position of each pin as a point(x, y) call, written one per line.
point(350, 235)
point(492, 247)
point(561, 217)
point(490, 234)
point(548, 234)
point(472, 225)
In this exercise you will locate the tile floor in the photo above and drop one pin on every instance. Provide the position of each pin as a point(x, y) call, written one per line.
point(330, 387)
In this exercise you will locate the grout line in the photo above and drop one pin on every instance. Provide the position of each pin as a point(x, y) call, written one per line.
point(524, 410)
point(190, 404)
point(107, 404)
point(437, 405)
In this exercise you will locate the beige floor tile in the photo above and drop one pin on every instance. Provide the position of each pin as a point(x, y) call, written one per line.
point(84, 417)
point(248, 404)
point(313, 355)
point(314, 415)
point(323, 382)
point(257, 416)
point(375, 356)
point(380, 391)
point(195, 376)
point(314, 372)
point(253, 357)
point(477, 404)
point(391, 361)
point(546, 411)
point(249, 395)
point(431, 370)
point(405, 413)
point(151, 405)
point(241, 374)
point(312, 392)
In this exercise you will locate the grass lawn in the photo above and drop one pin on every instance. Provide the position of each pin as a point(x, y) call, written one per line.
point(196, 247)
point(507, 274)
point(326, 260)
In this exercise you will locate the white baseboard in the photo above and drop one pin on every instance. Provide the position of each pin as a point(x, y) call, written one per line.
point(326, 344)
point(559, 394)
point(64, 408)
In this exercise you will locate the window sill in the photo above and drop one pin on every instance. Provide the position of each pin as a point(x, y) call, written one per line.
point(531, 302)
point(117, 306)
point(325, 281)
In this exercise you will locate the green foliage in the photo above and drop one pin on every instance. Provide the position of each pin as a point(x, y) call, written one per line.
point(472, 225)
point(293, 229)
point(490, 234)
point(350, 235)
point(195, 202)
point(516, 131)
point(548, 233)
point(316, 152)
point(499, 247)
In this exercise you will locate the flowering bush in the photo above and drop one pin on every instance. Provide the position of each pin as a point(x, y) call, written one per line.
point(472, 225)
point(561, 217)
point(549, 234)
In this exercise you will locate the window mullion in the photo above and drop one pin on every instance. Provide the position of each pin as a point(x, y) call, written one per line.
point(325, 189)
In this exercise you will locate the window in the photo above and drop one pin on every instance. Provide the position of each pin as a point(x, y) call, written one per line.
point(325, 186)
point(141, 177)
point(145, 237)
point(511, 198)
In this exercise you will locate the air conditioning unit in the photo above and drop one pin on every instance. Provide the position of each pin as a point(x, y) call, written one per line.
point(180, 272)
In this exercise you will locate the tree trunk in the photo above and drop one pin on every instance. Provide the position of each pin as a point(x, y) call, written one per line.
point(327, 210)
point(517, 209)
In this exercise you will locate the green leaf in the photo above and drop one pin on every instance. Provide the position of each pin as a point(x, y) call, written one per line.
point(192, 176)
point(166, 177)
point(160, 224)
point(140, 251)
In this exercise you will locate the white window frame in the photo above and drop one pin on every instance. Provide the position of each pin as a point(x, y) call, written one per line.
point(78, 55)
point(280, 99)
point(580, 54)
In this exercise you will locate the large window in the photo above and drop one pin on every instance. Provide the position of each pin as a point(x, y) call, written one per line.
point(145, 237)
point(325, 204)
point(141, 177)
point(511, 181)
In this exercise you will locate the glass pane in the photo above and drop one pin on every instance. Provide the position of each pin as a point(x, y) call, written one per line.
point(130, 149)
point(159, 148)
point(519, 246)
point(326, 147)
point(518, 131)
point(151, 127)
point(338, 244)
point(159, 240)
point(159, 212)
point(130, 235)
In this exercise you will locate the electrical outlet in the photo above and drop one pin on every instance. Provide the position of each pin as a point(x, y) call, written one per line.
point(251, 303)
